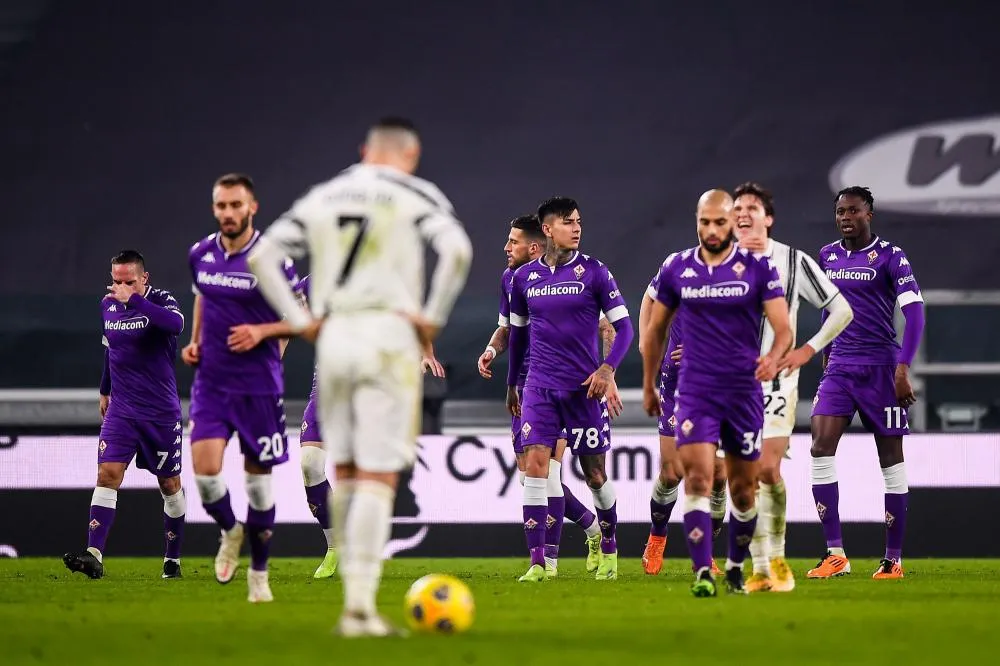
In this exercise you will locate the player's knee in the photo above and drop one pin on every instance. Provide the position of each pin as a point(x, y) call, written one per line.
point(890, 451)
point(698, 483)
point(170, 485)
point(822, 447)
point(211, 487)
point(259, 495)
point(313, 462)
point(669, 476)
point(770, 472)
point(109, 477)
point(595, 477)
point(742, 492)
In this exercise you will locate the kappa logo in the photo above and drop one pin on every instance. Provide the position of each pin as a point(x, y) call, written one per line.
point(578, 271)
point(904, 262)
point(831, 257)
point(689, 273)
point(209, 258)
point(738, 268)
point(533, 275)
point(113, 308)
point(884, 244)
point(946, 168)
point(872, 256)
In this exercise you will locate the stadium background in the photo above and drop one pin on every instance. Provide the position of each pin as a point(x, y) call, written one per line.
point(115, 119)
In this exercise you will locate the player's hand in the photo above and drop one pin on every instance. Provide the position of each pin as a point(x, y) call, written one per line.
point(599, 380)
point(651, 401)
point(513, 401)
point(243, 338)
point(794, 360)
point(104, 402)
point(767, 369)
point(430, 364)
point(485, 361)
point(311, 332)
point(191, 354)
point(675, 355)
point(904, 389)
point(614, 398)
point(121, 292)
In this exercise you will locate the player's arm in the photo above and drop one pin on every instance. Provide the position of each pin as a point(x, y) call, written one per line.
point(105, 389)
point(166, 317)
point(611, 302)
point(270, 262)
point(652, 347)
point(817, 289)
point(608, 335)
point(449, 241)
point(519, 339)
point(498, 341)
point(776, 311)
point(911, 304)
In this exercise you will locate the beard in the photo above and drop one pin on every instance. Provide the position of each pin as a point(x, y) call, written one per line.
point(241, 227)
point(723, 246)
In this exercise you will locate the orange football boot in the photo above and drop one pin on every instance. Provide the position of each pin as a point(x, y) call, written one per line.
point(830, 566)
point(888, 569)
point(652, 557)
point(716, 571)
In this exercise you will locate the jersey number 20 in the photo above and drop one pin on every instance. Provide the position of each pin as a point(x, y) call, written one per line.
point(361, 222)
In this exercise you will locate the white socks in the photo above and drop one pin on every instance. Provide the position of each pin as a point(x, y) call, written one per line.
point(662, 494)
point(313, 463)
point(604, 497)
point(174, 505)
point(342, 496)
point(369, 522)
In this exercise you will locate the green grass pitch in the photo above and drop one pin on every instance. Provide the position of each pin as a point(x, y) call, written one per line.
point(944, 612)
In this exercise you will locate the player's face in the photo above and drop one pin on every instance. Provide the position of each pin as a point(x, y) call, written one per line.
point(234, 208)
point(715, 228)
point(130, 275)
point(751, 220)
point(853, 217)
point(565, 232)
point(520, 249)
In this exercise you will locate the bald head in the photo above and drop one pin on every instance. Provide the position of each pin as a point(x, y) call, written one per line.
point(393, 142)
point(715, 221)
point(716, 198)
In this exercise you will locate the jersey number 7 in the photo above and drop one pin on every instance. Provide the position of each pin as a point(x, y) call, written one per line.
point(362, 224)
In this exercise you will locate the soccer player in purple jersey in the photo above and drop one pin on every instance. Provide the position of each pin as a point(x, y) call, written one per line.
point(313, 461)
point(555, 304)
point(723, 290)
point(139, 409)
point(664, 494)
point(525, 243)
point(235, 392)
point(866, 372)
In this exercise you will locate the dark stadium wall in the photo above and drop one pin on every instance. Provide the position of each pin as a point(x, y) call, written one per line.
point(117, 118)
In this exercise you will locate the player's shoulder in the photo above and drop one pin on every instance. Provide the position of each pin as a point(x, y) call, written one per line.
point(508, 275)
point(158, 295)
point(525, 271)
point(423, 190)
point(753, 259)
point(590, 261)
point(206, 244)
point(887, 246)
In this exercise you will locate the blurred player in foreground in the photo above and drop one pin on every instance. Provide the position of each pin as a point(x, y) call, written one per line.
point(526, 242)
point(364, 231)
point(140, 411)
point(312, 454)
point(555, 305)
point(802, 280)
point(235, 392)
point(867, 372)
point(723, 290)
point(664, 494)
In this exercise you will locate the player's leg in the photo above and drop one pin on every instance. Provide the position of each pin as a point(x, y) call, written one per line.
point(210, 431)
point(159, 452)
point(577, 512)
point(882, 416)
point(664, 496)
point(117, 445)
point(260, 425)
point(697, 460)
point(174, 509)
point(557, 510)
point(318, 493)
point(539, 432)
point(717, 501)
point(385, 402)
point(833, 409)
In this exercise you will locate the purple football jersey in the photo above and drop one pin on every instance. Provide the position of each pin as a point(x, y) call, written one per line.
point(873, 280)
point(562, 307)
point(669, 367)
point(724, 304)
point(506, 283)
point(230, 297)
point(141, 337)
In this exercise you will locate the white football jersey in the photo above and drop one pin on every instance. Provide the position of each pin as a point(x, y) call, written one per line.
point(801, 278)
point(365, 232)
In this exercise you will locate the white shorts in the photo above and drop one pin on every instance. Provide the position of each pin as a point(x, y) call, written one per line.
point(370, 388)
point(781, 397)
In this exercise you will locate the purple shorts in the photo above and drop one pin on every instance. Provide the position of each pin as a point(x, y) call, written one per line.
point(667, 423)
point(155, 446)
point(732, 419)
point(257, 420)
point(310, 423)
point(869, 390)
point(548, 415)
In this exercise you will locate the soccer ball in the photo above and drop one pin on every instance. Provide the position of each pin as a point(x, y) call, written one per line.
point(439, 604)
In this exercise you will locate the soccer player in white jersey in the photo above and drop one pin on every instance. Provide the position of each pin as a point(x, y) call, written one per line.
point(801, 280)
point(364, 231)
